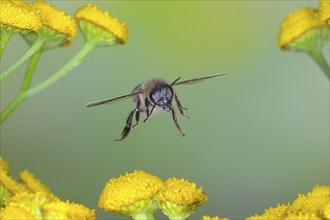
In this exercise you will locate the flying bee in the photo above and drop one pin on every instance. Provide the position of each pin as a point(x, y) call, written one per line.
point(150, 97)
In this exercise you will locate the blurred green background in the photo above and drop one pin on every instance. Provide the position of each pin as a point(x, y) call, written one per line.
point(256, 137)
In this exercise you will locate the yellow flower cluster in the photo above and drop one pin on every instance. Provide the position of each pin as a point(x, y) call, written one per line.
point(31, 199)
point(298, 23)
point(66, 210)
point(324, 10)
point(181, 192)
point(301, 21)
point(314, 205)
point(307, 30)
point(104, 20)
point(19, 14)
point(139, 193)
point(206, 217)
point(56, 19)
point(4, 165)
point(22, 15)
point(15, 211)
point(129, 189)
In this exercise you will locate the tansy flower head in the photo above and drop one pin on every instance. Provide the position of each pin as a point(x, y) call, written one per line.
point(180, 198)
point(33, 183)
point(4, 165)
point(15, 211)
point(66, 210)
point(10, 184)
point(59, 25)
point(324, 10)
point(131, 194)
point(19, 15)
point(324, 210)
point(4, 194)
point(96, 22)
point(206, 217)
point(32, 201)
point(314, 205)
point(312, 202)
point(271, 213)
point(296, 24)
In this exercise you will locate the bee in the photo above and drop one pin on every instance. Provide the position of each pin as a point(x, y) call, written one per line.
point(153, 96)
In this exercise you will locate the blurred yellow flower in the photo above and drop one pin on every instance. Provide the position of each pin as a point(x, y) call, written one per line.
point(324, 210)
point(56, 20)
point(271, 213)
point(66, 210)
point(16, 212)
point(10, 184)
point(179, 198)
point(4, 165)
point(315, 205)
point(131, 194)
point(304, 31)
point(19, 15)
point(32, 201)
point(312, 202)
point(33, 184)
point(296, 24)
point(91, 14)
point(206, 217)
point(324, 10)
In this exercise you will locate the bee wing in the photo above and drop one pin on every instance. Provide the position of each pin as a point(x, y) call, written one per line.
point(197, 80)
point(108, 101)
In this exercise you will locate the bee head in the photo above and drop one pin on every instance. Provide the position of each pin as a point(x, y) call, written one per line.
point(162, 97)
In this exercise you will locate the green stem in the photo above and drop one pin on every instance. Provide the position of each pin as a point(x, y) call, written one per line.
point(318, 57)
point(36, 46)
point(75, 61)
point(21, 97)
point(4, 38)
point(30, 70)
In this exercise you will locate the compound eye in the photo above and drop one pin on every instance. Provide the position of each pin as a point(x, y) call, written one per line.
point(169, 94)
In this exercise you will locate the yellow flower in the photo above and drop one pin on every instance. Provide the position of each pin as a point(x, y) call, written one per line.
point(10, 184)
point(297, 24)
point(66, 210)
point(131, 194)
point(324, 210)
point(32, 201)
point(34, 184)
point(15, 212)
point(179, 198)
point(4, 165)
point(92, 15)
point(304, 31)
point(4, 194)
point(314, 205)
point(19, 15)
point(271, 213)
point(324, 10)
point(57, 20)
point(312, 202)
point(301, 216)
point(206, 217)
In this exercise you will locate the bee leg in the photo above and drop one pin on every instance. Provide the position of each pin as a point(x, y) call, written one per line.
point(153, 107)
point(176, 123)
point(137, 113)
point(180, 107)
point(146, 104)
point(127, 127)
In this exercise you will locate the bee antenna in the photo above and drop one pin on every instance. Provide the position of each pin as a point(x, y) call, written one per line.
point(175, 81)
